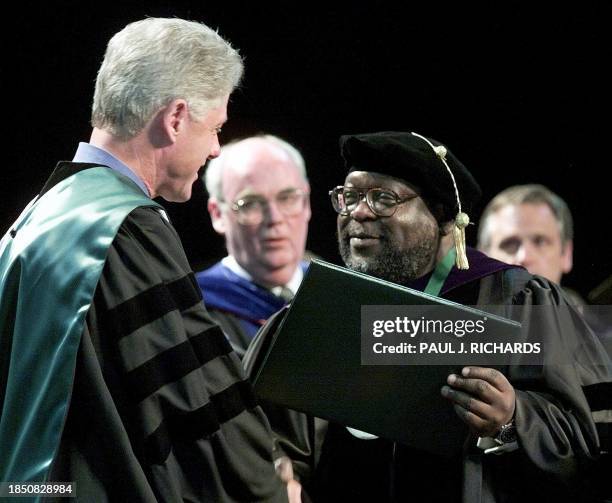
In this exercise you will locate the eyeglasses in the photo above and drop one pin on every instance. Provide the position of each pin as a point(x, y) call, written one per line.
point(250, 210)
point(382, 202)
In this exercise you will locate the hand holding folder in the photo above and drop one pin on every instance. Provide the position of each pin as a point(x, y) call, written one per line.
point(313, 363)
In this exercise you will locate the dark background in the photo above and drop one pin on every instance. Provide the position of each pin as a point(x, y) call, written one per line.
point(520, 94)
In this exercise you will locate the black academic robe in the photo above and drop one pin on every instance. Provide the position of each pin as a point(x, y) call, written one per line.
point(559, 444)
point(160, 407)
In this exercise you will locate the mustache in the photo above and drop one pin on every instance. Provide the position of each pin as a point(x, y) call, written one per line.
point(355, 229)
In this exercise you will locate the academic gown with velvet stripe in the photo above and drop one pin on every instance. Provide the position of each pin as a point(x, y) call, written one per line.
point(560, 409)
point(159, 408)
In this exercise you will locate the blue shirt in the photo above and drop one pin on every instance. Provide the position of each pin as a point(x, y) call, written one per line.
point(95, 155)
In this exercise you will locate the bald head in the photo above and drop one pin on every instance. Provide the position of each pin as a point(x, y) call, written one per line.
point(242, 155)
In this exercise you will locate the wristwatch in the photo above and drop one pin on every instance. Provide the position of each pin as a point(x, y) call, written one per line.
point(506, 434)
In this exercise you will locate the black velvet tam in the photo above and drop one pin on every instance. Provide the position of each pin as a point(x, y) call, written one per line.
point(410, 158)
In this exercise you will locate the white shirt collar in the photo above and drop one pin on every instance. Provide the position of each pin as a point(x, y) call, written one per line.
point(232, 264)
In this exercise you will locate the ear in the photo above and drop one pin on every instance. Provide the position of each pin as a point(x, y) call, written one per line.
point(567, 257)
point(214, 210)
point(174, 118)
point(307, 209)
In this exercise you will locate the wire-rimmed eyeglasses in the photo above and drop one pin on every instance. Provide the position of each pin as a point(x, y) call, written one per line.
point(250, 210)
point(382, 202)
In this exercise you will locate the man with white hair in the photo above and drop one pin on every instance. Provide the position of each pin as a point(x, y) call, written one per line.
point(112, 374)
point(259, 201)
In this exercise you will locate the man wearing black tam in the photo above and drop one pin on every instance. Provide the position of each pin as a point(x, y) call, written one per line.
point(534, 430)
point(436, 177)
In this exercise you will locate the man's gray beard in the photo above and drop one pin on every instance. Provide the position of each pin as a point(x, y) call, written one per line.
point(391, 264)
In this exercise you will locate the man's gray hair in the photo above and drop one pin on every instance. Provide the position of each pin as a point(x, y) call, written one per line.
point(214, 171)
point(154, 61)
point(523, 194)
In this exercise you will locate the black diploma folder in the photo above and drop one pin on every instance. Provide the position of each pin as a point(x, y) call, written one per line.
point(313, 364)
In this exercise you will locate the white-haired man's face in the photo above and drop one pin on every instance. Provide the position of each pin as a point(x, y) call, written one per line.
point(192, 143)
point(264, 174)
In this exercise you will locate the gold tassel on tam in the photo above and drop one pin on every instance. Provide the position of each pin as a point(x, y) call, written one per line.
point(462, 219)
point(461, 222)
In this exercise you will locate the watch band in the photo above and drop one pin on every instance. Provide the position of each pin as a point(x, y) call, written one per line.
point(507, 433)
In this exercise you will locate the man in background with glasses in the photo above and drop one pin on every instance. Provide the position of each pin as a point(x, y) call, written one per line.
point(259, 201)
